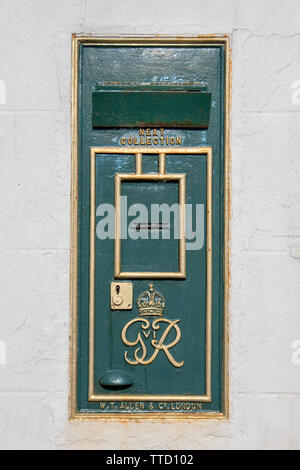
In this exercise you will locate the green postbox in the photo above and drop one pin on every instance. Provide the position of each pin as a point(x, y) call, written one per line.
point(149, 227)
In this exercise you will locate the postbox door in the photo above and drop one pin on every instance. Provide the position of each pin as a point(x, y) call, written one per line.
point(150, 285)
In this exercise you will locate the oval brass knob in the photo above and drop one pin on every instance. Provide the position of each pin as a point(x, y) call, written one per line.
point(117, 379)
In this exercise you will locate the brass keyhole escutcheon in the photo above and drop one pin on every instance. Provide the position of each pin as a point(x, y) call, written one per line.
point(121, 295)
point(117, 299)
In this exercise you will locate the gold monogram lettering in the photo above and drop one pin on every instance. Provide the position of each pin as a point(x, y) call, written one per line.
point(140, 352)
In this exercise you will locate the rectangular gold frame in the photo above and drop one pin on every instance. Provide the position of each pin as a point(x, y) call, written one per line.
point(136, 41)
point(181, 273)
point(94, 151)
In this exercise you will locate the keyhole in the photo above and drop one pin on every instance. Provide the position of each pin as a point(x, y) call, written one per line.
point(117, 289)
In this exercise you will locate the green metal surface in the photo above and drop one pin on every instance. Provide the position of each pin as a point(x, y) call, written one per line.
point(144, 108)
point(185, 299)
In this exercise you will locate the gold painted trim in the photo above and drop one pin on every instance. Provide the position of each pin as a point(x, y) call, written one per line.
point(158, 41)
point(139, 163)
point(94, 151)
point(227, 233)
point(74, 235)
point(161, 40)
point(162, 163)
point(180, 178)
point(155, 416)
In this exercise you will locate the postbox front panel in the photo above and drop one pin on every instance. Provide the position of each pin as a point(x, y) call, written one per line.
point(149, 238)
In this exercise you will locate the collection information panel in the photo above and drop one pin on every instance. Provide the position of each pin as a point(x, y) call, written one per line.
point(149, 261)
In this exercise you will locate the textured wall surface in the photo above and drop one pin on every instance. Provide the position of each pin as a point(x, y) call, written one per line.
point(35, 83)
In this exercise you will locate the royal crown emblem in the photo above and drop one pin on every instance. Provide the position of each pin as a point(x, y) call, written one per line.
point(151, 303)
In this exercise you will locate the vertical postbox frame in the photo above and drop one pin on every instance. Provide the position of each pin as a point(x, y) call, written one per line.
point(157, 41)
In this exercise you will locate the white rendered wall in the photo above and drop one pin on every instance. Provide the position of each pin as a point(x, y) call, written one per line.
point(35, 84)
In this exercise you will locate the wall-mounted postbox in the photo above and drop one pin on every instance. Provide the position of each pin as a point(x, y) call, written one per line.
point(149, 223)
